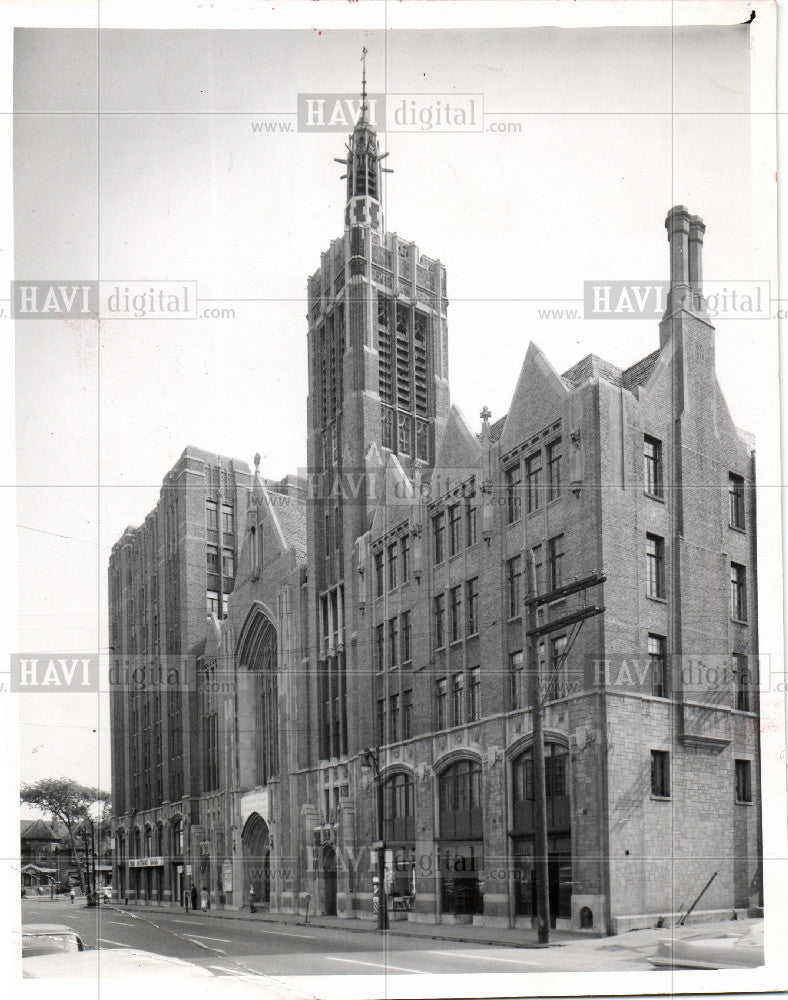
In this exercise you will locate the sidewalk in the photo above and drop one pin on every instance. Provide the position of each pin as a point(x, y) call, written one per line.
point(504, 936)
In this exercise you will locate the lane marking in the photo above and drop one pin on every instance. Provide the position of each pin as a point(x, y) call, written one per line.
point(305, 937)
point(205, 947)
point(122, 923)
point(483, 958)
point(376, 965)
point(120, 944)
point(175, 920)
point(204, 937)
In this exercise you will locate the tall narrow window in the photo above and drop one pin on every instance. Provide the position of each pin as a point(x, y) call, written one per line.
point(554, 469)
point(741, 672)
point(655, 566)
point(455, 522)
point(394, 718)
point(404, 551)
point(212, 558)
point(228, 563)
point(457, 692)
point(455, 603)
point(470, 520)
point(474, 694)
point(660, 774)
point(439, 613)
point(658, 665)
point(211, 515)
point(652, 466)
point(405, 637)
point(441, 697)
point(736, 501)
point(472, 606)
point(393, 641)
point(392, 551)
point(738, 592)
point(513, 492)
point(438, 532)
point(517, 679)
point(555, 562)
point(381, 721)
point(743, 781)
point(558, 686)
point(380, 647)
point(407, 714)
point(533, 481)
point(228, 520)
point(379, 573)
point(536, 576)
point(514, 573)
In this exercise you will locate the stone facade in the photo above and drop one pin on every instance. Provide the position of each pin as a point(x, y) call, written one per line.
point(377, 626)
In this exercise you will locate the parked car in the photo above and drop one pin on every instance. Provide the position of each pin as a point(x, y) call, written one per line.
point(112, 963)
point(742, 950)
point(49, 939)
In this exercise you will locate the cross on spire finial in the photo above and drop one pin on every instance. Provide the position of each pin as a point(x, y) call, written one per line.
point(485, 416)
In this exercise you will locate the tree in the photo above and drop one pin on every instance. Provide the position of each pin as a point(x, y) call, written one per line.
point(68, 801)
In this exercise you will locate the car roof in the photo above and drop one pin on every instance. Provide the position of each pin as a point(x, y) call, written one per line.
point(47, 929)
point(110, 963)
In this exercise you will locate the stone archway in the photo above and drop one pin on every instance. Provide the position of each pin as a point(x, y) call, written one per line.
point(257, 859)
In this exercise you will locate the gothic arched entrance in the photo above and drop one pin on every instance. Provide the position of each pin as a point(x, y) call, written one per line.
point(257, 858)
point(329, 868)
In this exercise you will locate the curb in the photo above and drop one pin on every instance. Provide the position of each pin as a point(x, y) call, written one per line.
point(224, 915)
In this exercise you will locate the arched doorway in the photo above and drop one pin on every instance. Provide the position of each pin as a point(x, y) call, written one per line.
point(257, 858)
point(329, 868)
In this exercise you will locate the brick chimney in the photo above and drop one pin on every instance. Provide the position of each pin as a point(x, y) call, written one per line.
point(696, 231)
point(678, 226)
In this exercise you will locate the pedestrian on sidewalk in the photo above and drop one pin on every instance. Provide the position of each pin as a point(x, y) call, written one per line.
point(204, 899)
point(252, 897)
point(72, 894)
point(194, 897)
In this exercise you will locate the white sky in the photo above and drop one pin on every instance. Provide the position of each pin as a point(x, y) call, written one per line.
point(177, 185)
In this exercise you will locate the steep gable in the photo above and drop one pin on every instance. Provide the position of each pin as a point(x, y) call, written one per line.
point(459, 448)
point(395, 498)
point(539, 391)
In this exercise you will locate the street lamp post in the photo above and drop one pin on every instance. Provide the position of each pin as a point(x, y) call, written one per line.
point(371, 757)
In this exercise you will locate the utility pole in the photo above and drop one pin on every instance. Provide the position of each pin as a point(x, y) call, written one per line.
point(373, 761)
point(534, 631)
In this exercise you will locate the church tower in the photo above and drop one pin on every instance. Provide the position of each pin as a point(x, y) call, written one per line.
point(378, 387)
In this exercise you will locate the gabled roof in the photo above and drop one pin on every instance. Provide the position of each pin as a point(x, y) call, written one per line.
point(37, 829)
point(592, 366)
point(539, 390)
point(459, 447)
point(396, 499)
point(289, 515)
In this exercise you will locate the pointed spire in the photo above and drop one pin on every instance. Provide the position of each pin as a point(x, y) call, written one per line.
point(364, 106)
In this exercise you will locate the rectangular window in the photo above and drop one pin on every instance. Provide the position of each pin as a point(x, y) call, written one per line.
point(381, 721)
point(455, 603)
point(438, 532)
point(380, 647)
point(655, 566)
point(658, 665)
point(652, 466)
point(439, 606)
point(517, 679)
point(440, 703)
point(743, 781)
point(660, 773)
point(741, 673)
point(513, 492)
point(405, 637)
point(558, 666)
point(514, 573)
point(212, 558)
point(392, 565)
point(474, 693)
point(407, 713)
point(327, 535)
point(393, 718)
point(738, 592)
point(555, 562)
point(228, 520)
point(736, 501)
point(457, 691)
point(228, 562)
point(455, 521)
point(470, 520)
point(212, 602)
point(393, 640)
point(472, 606)
point(537, 578)
point(211, 515)
point(404, 551)
point(337, 528)
point(533, 481)
point(554, 469)
point(379, 573)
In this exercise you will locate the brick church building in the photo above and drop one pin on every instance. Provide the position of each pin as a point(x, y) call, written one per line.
point(366, 623)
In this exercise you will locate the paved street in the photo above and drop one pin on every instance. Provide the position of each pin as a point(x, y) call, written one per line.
point(287, 949)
